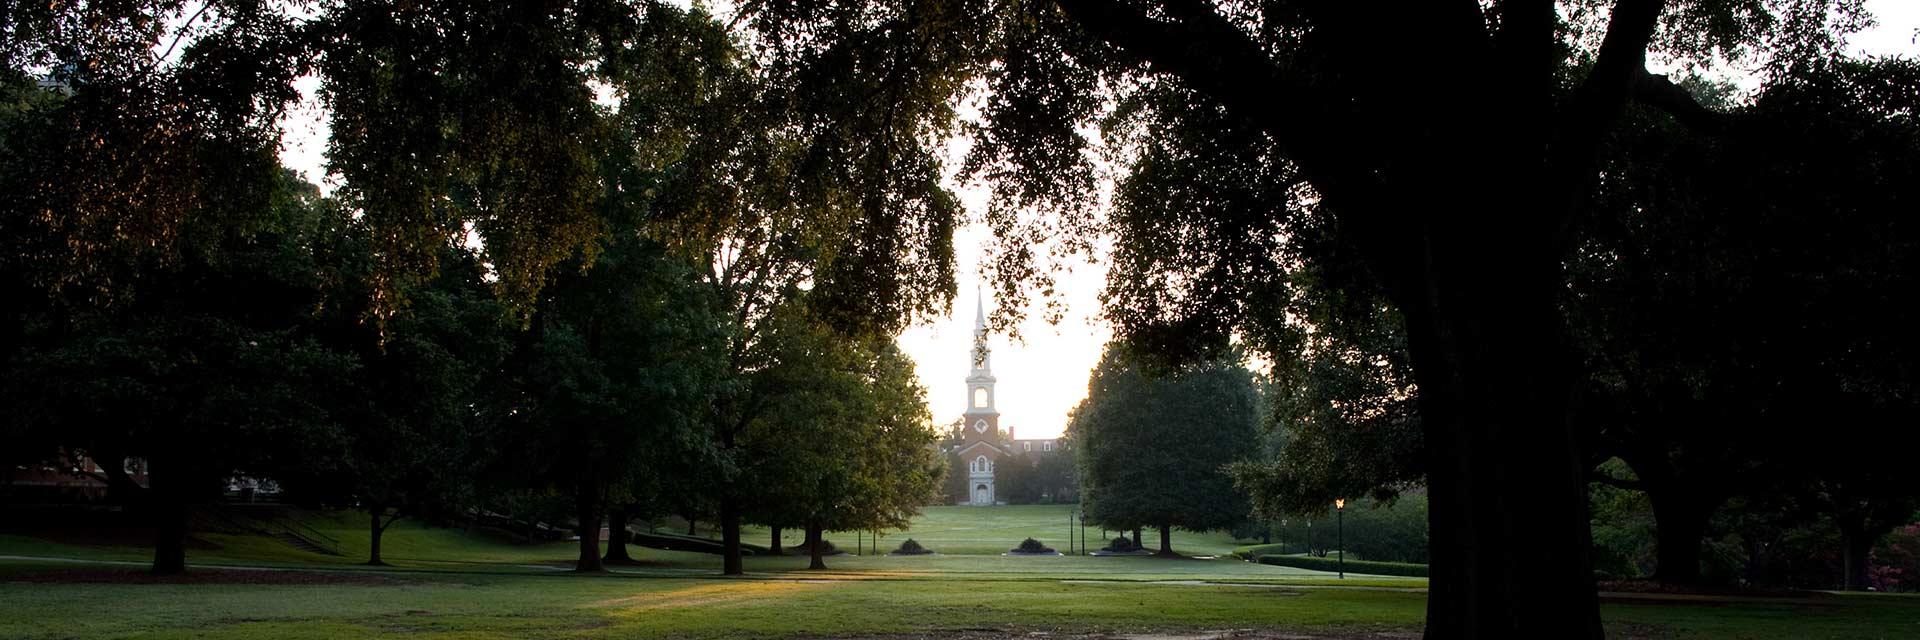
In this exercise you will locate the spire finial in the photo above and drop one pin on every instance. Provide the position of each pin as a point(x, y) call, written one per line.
point(979, 312)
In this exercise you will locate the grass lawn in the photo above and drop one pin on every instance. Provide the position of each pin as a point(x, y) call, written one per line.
point(993, 530)
point(561, 605)
point(450, 583)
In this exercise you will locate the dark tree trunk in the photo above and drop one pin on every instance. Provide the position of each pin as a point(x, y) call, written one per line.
point(774, 549)
point(1857, 549)
point(375, 530)
point(815, 557)
point(1679, 526)
point(167, 501)
point(169, 533)
point(617, 536)
point(691, 531)
point(730, 563)
point(1510, 537)
point(587, 509)
point(1137, 540)
point(1166, 541)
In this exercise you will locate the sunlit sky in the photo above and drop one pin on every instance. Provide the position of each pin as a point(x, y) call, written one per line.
point(1043, 376)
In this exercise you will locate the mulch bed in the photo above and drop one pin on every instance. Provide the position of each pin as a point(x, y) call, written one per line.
point(131, 575)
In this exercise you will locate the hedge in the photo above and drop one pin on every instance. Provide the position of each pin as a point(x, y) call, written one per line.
point(1251, 552)
point(1352, 566)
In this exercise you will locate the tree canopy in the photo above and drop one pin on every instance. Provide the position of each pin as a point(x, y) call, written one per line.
point(1129, 422)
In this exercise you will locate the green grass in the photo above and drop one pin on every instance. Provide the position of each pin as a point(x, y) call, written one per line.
point(461, 584)
point(993, 530)
point(474, 606)
point(465, 605)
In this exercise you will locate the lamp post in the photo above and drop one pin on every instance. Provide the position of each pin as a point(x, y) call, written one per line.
point(1340, 508)
point(1069, 532)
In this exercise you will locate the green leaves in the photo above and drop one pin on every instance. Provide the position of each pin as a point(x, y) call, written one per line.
point(456, 116)
point(1122, 432)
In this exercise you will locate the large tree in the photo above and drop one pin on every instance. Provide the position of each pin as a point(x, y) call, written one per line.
point(205, 365)
point(841, 439)
point(621, 361)
point(1133, 417)
point(1447, 146)
point(422, 419)
point(816, 173)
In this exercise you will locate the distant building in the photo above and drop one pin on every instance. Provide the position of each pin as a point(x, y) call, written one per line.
point(67, 476)
point(979, 444)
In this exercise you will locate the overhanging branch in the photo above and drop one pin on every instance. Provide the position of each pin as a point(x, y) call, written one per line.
point(1211, 56)
point(1659, 92)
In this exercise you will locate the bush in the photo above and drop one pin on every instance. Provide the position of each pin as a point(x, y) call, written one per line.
point(1122, 544)
point(1352, 566)
point(1031, 545)
point(911, 548)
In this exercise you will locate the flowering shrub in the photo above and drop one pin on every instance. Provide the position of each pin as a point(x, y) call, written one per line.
point(1895, 564)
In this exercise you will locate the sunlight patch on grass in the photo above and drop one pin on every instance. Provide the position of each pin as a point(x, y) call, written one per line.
point(709, 595)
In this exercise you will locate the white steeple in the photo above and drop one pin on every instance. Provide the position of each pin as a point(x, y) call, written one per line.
point(979, 314)
point(980, 380)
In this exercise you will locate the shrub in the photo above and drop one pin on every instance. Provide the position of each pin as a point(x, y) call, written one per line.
point(1031, 545)
point(1352, 566)
point(1122, 544)
point(911, 548)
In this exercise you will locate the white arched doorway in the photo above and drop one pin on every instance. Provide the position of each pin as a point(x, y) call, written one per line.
point(982, 494)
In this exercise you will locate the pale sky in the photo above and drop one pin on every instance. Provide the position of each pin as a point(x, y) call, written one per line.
point(1042, 379)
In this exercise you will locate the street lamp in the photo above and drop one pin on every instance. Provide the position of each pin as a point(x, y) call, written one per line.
point(1340, 508)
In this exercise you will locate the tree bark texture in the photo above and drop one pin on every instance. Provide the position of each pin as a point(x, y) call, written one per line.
point(1510, 533)
point(1166, 540)
point(617, 536)
point(587, 510)
point(375, 529)
point(774, 548)
point(730, 536)
point(816, 558)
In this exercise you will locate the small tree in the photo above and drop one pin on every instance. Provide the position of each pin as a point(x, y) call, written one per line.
point(1152, 450)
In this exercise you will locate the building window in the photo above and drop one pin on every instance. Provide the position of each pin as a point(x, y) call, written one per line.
point(979, 397)
point(1048, 445)
point(1026, 446)
point(982, 465)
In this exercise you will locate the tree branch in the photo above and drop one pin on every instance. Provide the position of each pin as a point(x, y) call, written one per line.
point(1623, 57)
point(1600, 99)
point(1211, 55)
point(1657, 91)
